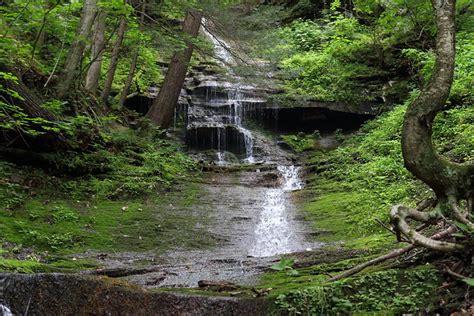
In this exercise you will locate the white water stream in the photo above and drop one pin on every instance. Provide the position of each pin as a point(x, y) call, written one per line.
point(274, 231)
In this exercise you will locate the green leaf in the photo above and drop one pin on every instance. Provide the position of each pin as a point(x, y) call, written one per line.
point(283, 265)
point(292, 272)
point(469, 282)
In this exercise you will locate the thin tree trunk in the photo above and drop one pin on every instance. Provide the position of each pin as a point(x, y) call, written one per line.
point(161, 112)
point(133, 65)
point(77, 48)
point(114, 60)
point(93, 74)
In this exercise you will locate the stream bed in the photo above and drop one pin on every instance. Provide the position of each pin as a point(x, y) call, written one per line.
point(255, 220)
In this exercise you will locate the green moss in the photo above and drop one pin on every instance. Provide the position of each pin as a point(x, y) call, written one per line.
point(52, 265)
point(130, 207)
point(63, 226)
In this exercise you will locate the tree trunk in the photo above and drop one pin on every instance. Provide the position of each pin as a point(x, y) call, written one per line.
point(114, 60)
point(77, 48)
point(98, 45)
point(30, 102)
point(133, 65)
point(443, 176)
point(452, 182)
point(161, 112)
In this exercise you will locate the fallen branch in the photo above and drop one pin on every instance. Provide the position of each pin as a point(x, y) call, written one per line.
point(456, 275)
point(120, 272)
point(390, 255)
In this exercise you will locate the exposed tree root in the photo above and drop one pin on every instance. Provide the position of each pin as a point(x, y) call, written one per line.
point(400, 214)
point(390, 255)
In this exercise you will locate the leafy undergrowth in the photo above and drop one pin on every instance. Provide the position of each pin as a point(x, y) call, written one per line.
point(388, 292)
point(131, 207)
point(300, 142)
point(353, 187)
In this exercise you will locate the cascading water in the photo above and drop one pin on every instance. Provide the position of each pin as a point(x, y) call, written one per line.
point(274, 231)
point(217, 110)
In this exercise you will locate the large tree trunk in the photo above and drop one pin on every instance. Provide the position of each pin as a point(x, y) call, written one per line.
point(114, 60)
point(443, 176)
point(452, 182)
point(77, 49)
point(133, 65)
point(98, 45)
point(161, 112)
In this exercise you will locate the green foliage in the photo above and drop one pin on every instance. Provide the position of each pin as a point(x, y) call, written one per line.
point(390, 292)
point(462, 89)
point(365, 54)
point(13, 118)
point(300, 142)
point(359, 182)
point(469, 282)
point(328, 62)
point(285, 265)
point(105, 208)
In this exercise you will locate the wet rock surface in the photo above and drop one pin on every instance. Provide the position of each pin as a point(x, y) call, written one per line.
point(60, 294)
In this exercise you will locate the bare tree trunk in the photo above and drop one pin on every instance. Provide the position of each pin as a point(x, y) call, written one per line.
point(77, 49)
point(443, 176)
point(452, 182)
point(93, 74)
point(114, 60)
point(161, 112)
point(133, 65)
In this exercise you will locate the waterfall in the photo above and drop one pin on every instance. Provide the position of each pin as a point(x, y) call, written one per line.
point(216, 112)
point(273, 232)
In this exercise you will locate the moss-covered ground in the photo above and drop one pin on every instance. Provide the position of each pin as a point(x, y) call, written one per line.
point(143, 203)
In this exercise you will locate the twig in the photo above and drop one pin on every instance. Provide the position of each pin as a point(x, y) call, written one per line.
point(456, 275)
point(58, 59)
point(387, 227)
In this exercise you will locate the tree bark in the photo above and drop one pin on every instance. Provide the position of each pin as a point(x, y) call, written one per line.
point(161, 112)
point(114, 60)
point(98, 45)
point(452, 182)
point(30, 102)
point(443, 176)
point(133, 65)
point(77, 48)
